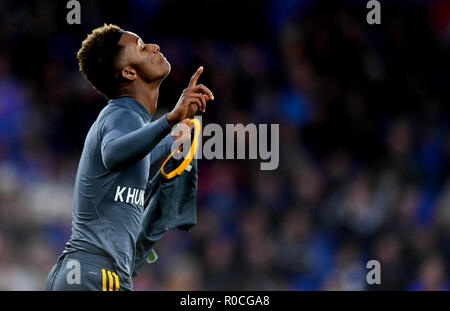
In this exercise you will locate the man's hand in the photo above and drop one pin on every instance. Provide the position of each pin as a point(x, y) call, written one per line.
point(193, 99)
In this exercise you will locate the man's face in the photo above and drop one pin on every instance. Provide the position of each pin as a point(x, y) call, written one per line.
point(149, 63)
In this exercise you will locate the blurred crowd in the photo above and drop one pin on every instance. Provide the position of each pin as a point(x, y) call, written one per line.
point(364, 141)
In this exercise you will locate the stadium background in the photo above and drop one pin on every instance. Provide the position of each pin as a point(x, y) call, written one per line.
point(364, 140)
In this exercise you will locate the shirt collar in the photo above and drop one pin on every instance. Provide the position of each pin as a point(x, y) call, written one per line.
point(131, 104)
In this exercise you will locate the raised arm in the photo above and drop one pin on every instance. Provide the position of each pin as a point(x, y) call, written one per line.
point(125, 140)
point(162, 149)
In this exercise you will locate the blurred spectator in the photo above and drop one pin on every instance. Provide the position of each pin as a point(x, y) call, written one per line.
point(432, 275)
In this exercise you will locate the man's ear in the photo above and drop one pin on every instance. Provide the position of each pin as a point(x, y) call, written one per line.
point(128, 73)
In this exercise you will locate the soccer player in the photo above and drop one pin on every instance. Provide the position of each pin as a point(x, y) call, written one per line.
point(113, 171)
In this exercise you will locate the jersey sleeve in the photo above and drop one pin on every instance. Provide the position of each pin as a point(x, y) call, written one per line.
point(162, 149)
point(125, 139)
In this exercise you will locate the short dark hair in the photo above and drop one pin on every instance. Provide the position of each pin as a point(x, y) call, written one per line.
point(97, 59)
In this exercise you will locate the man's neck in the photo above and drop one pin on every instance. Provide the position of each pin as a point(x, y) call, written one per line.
point(145, 94)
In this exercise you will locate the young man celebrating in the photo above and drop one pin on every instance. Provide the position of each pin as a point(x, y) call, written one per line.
point(114, 167)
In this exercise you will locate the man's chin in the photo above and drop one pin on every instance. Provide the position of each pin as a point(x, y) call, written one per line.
point(169, 68)
point(164, 72)
point(167, 71)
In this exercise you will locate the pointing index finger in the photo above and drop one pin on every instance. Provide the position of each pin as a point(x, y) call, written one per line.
point(195, 77)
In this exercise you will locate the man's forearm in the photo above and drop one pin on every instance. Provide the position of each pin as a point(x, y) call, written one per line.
point(132, 147)
point(162, 149)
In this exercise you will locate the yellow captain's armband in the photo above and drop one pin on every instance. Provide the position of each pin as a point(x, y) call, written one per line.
point(189, 157)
